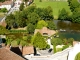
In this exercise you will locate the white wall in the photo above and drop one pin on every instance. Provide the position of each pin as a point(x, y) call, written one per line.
point(74, 51)
point(6, 6)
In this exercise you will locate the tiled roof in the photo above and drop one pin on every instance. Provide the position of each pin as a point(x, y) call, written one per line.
point(6, 3)
point(45, 30)
point(9, 55)
point(28, 50)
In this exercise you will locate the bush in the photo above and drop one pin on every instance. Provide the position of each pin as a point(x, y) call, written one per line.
point(54, 48)
point(77, 56)
point(64, 47)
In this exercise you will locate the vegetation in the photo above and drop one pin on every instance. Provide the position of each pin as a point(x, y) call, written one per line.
point(77, 57)
point(51, 25)
point(4, 10)
point(63, 15)
point(41, 24)
point(30, 28)
point(21, 7)
point(38, 41)
point(55, 5)
point(3, 30)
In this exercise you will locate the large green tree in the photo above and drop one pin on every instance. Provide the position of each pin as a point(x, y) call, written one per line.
point(63, 15)
point(41, 24)
point(38, 41)
point(33, 18)
point(76, 17)
point(30, 28)
point(51, 25)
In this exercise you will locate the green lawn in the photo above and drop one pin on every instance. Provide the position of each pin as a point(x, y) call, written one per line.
point(56, 6)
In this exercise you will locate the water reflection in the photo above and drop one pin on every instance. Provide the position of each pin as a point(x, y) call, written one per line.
point(67, 25)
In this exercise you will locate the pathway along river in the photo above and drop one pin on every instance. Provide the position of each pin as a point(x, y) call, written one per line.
point(68, 29)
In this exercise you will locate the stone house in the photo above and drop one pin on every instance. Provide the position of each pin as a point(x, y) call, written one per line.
point(45, 31)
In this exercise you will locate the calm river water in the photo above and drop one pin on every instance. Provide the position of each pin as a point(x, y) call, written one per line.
point(68, 29)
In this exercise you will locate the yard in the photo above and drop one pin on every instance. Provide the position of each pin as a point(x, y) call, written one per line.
point(56, 6)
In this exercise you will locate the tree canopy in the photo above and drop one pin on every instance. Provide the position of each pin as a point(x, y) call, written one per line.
point(41, 24)
point(38, 41)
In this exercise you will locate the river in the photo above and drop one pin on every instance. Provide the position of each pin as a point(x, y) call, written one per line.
point(68, 29)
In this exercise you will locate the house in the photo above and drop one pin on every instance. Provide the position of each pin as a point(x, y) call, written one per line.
point(45, 31)
point(27, 50)
point(73, 52)
point(9, 55)
point(7, 4)
point(17, 3)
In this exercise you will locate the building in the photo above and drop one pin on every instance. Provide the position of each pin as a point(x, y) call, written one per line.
point(7, 4)
point(17, 3)
point(73, 52)
point(45, 31)
point(27, 50)
point(9, 55)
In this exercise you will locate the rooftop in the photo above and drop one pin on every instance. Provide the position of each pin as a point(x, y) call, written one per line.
point(9, 55)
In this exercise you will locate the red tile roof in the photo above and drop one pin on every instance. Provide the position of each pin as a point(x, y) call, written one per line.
point(45, 30)
point(6, 3)
point(9, 55)
point(28, 50)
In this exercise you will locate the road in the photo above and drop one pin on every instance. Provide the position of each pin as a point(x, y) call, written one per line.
point(57, 56)
point(14, 8)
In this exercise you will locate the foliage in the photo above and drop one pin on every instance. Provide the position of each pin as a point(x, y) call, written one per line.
point(56, 6)
point(76, 17)
point(65, 41)
point(54, 48)
point(14, 43)
point(2, 0)
point(4, 10)
point(10, 20)
point(9, 40)
point(18, 31)
point(64, 47)
point(41, 24)
point(30, 28)
point(19, 19)
point(21, 7)
point(56, 41)
point(3, 30)
point(70, 41)
point(38, 41)
point(51, 25)
point(77, 57)
point(63, 15)
point(33, 18)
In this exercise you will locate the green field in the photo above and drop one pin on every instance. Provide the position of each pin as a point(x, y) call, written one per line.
point(56, 6)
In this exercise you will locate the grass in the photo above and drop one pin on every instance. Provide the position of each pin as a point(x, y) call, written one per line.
point(56, 6)
point(2, 15)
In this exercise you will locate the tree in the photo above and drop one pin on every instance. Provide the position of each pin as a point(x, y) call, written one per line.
point(51, 25)
point(4, 10)
point(2, 0)
point(10, 19)
point(41, 24)
point(30, 28)
point(38, 41)
point(21, 7)
point(3, 30)
point(77, 57)
point(76, 17)
point(63, 15)
point(33, 18)
point(48, 13)
point(19, 19)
